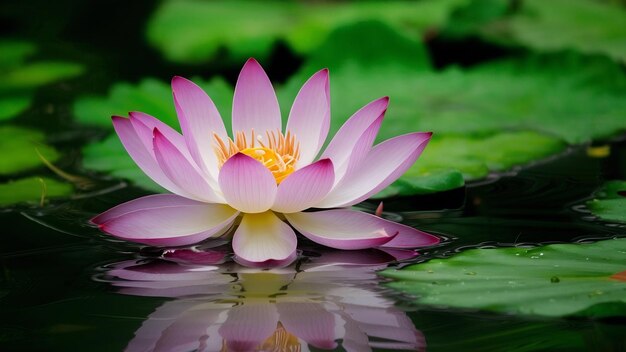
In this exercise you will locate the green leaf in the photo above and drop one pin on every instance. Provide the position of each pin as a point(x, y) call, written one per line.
point(489, 118)
point(587, 26)
point(150, 96)
point(553, 280)
point(195, 31)
point(18, 79)
point(22, 145)
point(32, 189)
point(610, 202)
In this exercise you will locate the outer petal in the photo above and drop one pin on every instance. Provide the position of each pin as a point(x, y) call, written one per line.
point(181, 171)
point(144, 124)
point(199, 119)
point(248, 186)
point(305, 187)
point(143, 157)
point(360, 150)
point(343, 228)
point(384, 164)
point(151, 221)
point(340, 148)
point(309, 118)
point(254, 104)
point(264, 237)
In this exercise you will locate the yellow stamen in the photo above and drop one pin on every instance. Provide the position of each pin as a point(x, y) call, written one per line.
point(279, 153)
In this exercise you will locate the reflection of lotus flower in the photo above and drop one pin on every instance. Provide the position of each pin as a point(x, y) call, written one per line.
point(263, 176)
point(238, 309)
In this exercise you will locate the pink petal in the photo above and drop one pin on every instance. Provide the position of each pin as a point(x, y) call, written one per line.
point(151, 222)
point(309, 119)
point(305, 187)
point(340, 148)
point(254, 104)
point(199, 120)
point(248, 186)
point(141, 155)
point(360, 150)
point(144, 124)
point(343, 228)
point(264, 237)
point(409, 237)
point(310, 322)
point(181, 171)
point(248, 325)
point(384, 164)
point(152, 201)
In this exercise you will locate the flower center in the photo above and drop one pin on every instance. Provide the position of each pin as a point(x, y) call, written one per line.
point(278, 152)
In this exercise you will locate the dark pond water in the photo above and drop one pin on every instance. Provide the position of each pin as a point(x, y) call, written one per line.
point(66, 287)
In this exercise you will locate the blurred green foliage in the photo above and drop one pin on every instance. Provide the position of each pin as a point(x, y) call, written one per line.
point(587, 26)
point(32, 189)
point(18, 79)
point(194, 31)
point(556, 280)
point(21, 146)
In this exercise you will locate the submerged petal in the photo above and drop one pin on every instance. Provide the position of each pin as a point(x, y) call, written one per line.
point(305, 187)
point(343, 228)
point(247, 185)
point(255, 106)
point(309, 118)
point(383, 164)
point(199, 120)
point(166, 220)
point(264, 237)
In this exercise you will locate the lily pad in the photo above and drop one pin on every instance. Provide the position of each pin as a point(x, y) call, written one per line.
point(559, 97)
point(194, 31)
point(18, 79)
point(591, 27)
point(32, 189)
point(150, 96)
point(21, 146)
point(554, 280)
point(610, 202)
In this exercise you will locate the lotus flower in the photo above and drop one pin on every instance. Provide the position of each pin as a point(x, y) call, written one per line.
point(261, 178)
point(330, 301)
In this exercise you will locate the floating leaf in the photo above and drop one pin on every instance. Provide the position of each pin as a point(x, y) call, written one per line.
point(194, 31)
point(150, 96)
point(610, 202)
point(554, 280)
point(32, 189)
point(563, 97)
point(587, 26)
point(21, 145)
point(18, 79)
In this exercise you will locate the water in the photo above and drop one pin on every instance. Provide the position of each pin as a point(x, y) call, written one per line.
point(67, 287)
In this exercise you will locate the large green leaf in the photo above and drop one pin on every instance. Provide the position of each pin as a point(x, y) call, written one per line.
point(20, 146)
point(32, 189)
point(610, 202)
point(150, 96)
point(564, 97)
point(554, 280)
point(194, 31)
point(18, 79)
point(586, 26)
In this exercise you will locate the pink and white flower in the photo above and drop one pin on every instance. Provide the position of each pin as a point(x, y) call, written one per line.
point(259, 179)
